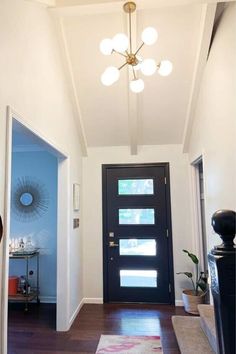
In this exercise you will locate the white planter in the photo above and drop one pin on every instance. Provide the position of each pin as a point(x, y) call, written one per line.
point(191, 301)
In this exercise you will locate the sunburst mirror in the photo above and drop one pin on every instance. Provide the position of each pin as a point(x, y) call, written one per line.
point(30, 199)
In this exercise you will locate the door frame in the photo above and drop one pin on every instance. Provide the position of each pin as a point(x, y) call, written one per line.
point(105, 167)
point(63, 203)
point(196, 207)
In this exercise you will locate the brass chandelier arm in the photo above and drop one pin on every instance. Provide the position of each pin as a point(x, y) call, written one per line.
point(135, 77)
point(139, 48)
point(115, 51)
point(122, 66)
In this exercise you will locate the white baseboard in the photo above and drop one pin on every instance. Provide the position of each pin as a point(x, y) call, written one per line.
point(48, 299)
point(179, 303)
point(93, 300)
point(76, 313)
point(85, 300)
point(99, 300)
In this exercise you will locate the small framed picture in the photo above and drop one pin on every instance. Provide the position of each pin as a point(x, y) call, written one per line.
point(76, 196)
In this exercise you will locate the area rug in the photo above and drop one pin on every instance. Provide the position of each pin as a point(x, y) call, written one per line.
point(129, 344)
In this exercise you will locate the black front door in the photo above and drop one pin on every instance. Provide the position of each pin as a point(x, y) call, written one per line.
point(137, 234)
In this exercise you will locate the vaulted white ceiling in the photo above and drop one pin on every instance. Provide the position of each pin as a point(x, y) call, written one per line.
point(162, 113)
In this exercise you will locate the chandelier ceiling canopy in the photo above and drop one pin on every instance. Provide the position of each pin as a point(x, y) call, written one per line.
point(121, 44)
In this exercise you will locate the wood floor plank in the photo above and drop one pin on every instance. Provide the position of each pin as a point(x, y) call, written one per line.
point(34, 332)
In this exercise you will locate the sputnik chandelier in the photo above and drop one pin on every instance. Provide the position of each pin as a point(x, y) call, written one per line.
point(122, 44)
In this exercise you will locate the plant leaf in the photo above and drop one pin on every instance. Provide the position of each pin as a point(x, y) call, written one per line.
point(188, 274)
point(192, 256)
point(202, 286)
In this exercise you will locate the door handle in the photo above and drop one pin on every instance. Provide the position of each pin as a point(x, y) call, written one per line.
point(113, 244)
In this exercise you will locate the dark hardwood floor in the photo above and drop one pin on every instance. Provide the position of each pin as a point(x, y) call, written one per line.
point(34, 332)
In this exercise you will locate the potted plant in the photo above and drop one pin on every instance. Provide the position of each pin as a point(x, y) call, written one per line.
point(197, 295)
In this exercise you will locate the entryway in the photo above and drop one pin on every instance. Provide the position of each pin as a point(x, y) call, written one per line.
point(137, 238)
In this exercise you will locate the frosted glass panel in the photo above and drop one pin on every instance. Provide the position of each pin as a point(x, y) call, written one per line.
point(138, 278)
point(136, 216)
point(135, 247)
point(135, 186)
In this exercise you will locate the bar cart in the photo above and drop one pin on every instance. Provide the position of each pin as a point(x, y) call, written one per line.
point(33, 293)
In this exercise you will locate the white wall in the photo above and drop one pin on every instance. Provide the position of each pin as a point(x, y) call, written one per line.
point(214, 129)
point(33, 83)
point(92, 208)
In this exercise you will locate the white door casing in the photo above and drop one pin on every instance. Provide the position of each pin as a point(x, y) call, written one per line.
point(63, 224)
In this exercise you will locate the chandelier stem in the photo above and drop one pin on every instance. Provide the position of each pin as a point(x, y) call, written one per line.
point(130, 34)
point(139, 48)
point(122, 66)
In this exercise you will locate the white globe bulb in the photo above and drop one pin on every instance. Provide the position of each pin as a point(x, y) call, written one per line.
point(120, 42)
point(106, 46)
point(105, 80)
point(165, 68)
point(148, 67)
point(149, 35)
point(136, 85)
point(110, 75)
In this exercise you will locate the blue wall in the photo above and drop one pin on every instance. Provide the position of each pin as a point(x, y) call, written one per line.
point(42, 167)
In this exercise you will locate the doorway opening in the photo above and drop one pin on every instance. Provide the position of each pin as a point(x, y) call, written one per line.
point(137, 242)
point(200, 212)
point(35, 223)
point(33, 219)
